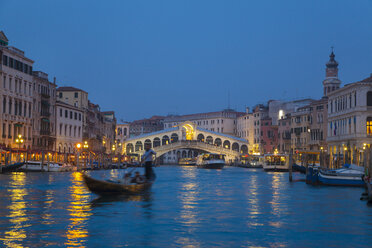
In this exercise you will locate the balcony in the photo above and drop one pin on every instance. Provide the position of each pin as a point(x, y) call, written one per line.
point(45, 114)
point(44, 132)
point(45, 95)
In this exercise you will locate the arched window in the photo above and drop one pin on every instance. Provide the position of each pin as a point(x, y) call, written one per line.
point(226, 144)
point(138, 146)
point(369, 98)
point(369, 125)
point(200, 137)
point(244, 149)
point(218, 142)
point(235, 147)
point(148, 142)
point(165, 140)
point(130, 148)
point(156, 142)
point(174, 137)
point(209, 140)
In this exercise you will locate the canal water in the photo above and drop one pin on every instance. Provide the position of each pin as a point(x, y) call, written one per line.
point(186, 207)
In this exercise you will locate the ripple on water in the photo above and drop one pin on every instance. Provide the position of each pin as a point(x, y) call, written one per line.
point(186, 207)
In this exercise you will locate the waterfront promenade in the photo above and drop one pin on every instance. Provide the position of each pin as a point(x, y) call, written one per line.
point(187, 207)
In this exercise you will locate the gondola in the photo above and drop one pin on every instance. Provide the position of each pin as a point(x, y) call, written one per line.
point(12, 167)
point(101, 187)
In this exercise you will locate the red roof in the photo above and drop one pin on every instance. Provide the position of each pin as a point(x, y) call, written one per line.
point(367, 80)
point(69, 88)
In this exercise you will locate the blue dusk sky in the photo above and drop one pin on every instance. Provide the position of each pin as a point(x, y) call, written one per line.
point(144, 58)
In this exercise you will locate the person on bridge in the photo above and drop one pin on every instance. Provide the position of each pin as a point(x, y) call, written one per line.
point(147, 159)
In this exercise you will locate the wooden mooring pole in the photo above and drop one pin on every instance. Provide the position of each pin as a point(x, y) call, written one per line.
point(290, 166)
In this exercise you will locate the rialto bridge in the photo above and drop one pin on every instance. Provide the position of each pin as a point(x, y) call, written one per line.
point(187, 136)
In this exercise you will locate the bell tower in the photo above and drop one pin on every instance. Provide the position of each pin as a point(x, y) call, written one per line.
point(331, 81)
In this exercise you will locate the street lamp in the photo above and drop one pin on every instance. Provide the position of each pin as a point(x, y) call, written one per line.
point(78, 146)
point(19, 141)
point(85, 146)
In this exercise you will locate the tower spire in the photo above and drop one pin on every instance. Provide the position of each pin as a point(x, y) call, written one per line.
point(331, 81)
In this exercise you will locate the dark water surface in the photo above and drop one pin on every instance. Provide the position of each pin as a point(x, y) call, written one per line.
point(187, 207)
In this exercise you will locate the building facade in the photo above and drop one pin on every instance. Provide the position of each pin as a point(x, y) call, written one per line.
point(300, 129)
point(260, 112)
point(284, 134)
point(143, 126)
point(69, 131)
point(221, 121)
point(318, 125)
point(44, 119)
point(16, 91)
point(245, 128)
point(350, 121)
point(122, 133)
point(269, 136)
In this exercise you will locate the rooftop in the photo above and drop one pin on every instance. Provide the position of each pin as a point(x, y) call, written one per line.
point(69, 88)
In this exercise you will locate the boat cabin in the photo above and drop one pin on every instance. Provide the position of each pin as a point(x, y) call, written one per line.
point(213, 156)
point(276, 162)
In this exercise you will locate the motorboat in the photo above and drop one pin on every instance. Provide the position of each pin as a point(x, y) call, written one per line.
point(36, 166)
point(276, 162)
point(304, 159)
point(210, 161)
point(348, 175)
point(256, 161)
point(187, 161)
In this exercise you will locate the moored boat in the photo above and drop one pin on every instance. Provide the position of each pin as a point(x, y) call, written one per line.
point(349, 175)
point(36, 166)
point(102, 187)
point(187, 161)
point(11, 167)
point(210, 161)
point(299, 168)
point(276, 162)
point(255, 161)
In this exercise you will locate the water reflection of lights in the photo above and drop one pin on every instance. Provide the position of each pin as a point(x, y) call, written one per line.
point(47, 217)
point(17, 215)
point(79, 211)
point(253, 207)
point(275, 192)
point(276, 206)
point(189, 201)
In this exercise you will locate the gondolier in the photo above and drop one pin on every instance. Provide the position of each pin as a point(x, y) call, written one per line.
point(147, 159)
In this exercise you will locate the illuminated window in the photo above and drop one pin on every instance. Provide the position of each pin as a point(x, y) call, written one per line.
point(369, 125)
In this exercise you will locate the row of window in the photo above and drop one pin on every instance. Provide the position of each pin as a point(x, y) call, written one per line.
point(17, 65)
point(299, 141)
point(122, 131)
point(76, 94)
point(316, 134)
point(205, 122)
point(299, 130)
point(346, 102)
point(69, 130)
point(20, 107)
point(343, 126)
point(17, 129)
point(71, 114)
point(18, 86)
